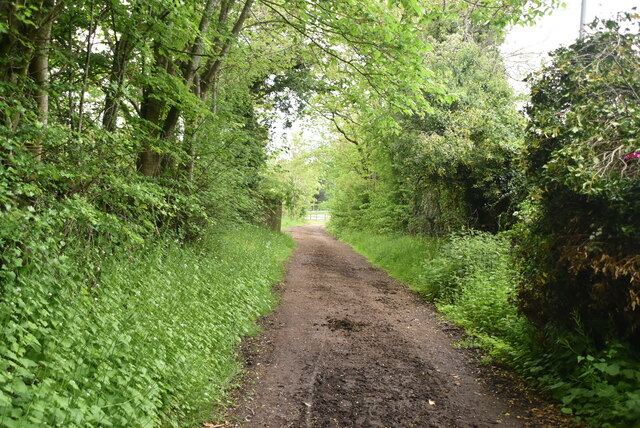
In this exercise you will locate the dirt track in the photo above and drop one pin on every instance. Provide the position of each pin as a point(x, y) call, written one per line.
point(350, 347)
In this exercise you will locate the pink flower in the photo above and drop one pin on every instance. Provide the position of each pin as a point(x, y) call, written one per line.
point(631, 156)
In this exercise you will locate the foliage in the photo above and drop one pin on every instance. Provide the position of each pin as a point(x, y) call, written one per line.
point(448, 167)
point(401, 256)
point(596, 383)
point(126, 125)
point(297, 175)
point(461, 165)
point(149, 342)
point(580, 235)
point(565, 309)
point(473, 282)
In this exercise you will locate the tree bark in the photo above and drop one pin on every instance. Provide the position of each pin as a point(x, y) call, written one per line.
point(190, 134)
point(39, 70)
point(198, 45)
point(87, 66)
point(123, 48)
point(148, 162)
point(121, 54)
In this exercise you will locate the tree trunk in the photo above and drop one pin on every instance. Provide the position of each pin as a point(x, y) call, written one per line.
point(148, 162)
point(273, 213)
point(121, 54)
point(192, 65)
point(16, 55)
point(39, 70)
point(87, 66)
point(212, 71)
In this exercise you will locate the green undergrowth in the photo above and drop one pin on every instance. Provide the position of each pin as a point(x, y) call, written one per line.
point(472, 280)
point(151, 342)
point(402, 256)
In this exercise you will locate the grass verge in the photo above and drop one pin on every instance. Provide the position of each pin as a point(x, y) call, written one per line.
point(402, 256)
point(151, 344)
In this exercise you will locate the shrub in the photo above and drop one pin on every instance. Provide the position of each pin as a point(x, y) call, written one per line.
point(472, 279)
point(580, 235)
point(595, 382)
point(477, 282)
point(473, 282)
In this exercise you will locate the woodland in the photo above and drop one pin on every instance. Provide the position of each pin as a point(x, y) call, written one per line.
point(136, 176)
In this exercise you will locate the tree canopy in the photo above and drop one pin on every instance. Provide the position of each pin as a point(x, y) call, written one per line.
point(130, 125)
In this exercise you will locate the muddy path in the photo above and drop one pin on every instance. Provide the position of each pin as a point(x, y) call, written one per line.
point(350, 347)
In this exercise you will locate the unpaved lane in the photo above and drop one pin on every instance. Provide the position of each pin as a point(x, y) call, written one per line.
point(350, 347)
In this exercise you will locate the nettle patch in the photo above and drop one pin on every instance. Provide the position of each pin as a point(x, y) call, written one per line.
point(150, 343)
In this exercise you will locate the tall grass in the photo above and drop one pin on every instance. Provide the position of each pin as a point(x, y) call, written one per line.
point(153, 343)
point(293, 221)
point(473, 282)
point(402, 256)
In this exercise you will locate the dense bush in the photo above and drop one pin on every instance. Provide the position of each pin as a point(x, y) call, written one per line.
point(595, 382)
point(473, 281)
point(580, 236)
point(149, 342)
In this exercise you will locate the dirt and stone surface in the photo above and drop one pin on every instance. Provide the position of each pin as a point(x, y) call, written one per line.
point(350, 347)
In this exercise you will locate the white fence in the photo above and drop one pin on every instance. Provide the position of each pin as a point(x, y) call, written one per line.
point(318, 215)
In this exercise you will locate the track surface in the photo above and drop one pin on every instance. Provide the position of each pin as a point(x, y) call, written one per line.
point(350, 347)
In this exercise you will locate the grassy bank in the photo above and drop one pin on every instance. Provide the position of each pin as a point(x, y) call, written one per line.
point(402, 256)
point(151, 344)
point(472, 281)
point(467, 277)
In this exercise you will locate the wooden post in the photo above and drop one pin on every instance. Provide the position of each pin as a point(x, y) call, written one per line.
point(273, 214)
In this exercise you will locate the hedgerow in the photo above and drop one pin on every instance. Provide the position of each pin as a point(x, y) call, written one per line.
point(580, 230)
point(556, 293)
